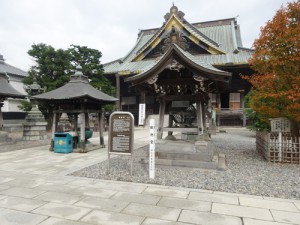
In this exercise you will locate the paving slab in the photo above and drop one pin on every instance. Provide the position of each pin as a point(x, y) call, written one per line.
point(21, 204)
point(151, 221)
point(27, 183)
point(13, 217)
point(22, 192)
point(59, 197)
point(157, 212)
point(242, 211)
point(286, 217)
point(166, 192)
point(237, 194)
point(4, 187)
point(102, 204)
point(297, 204)
point(111, 218)
point(213, 198)
point(268, 204)
point(137, 198)
point(97, 192)
point(121, 186)
point(205, 218)
point(185, 204)
point(57, 221)
point(62, 211)
point(248, 221)
point(56, 187)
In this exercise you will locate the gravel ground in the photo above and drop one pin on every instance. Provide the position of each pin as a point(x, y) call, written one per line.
point(247, 172)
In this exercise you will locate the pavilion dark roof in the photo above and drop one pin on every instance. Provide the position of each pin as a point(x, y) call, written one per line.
point(6, 90)
point(9, 69)
point(77, 88)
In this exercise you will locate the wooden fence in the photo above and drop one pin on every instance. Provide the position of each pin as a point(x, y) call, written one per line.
point(277, 147)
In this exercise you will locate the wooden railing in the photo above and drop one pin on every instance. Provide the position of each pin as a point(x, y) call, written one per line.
point(284, 149)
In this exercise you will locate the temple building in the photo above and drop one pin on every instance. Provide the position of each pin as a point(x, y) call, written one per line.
point(185, 69)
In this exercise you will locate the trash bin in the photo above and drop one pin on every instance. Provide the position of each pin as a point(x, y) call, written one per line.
point(63, 143)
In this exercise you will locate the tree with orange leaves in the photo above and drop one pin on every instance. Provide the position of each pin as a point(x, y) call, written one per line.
point(276, 86)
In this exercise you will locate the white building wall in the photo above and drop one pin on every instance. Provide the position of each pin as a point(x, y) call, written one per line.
point(11, 105)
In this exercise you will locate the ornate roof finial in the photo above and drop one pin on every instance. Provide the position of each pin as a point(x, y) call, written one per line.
point(174, 10)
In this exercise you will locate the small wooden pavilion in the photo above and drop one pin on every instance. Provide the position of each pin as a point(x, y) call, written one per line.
point(77, 97)
point(7, 91)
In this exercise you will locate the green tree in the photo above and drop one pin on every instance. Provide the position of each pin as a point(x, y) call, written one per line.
point(53, 67)
point(89, 60)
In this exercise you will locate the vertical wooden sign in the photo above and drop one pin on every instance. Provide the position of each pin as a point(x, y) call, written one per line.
point(152, 150)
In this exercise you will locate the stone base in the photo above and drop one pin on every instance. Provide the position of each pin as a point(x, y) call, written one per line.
point(189, 135)
point(34, 131)
point(199, 154)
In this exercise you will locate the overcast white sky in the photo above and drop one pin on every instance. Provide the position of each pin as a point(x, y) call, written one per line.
point(111, 26)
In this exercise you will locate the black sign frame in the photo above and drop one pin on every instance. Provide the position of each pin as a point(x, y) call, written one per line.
point(121, 135)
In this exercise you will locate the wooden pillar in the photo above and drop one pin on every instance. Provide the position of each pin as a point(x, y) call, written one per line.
point(1, 116)
point(82, 132)
point(100, 124)
point(75, 128)
point(199, 118)
point(143, 97)
point(118, 92)
point(203, 116)
point(162, 107)
point(53, 131)
point(219, 102)
point(87, 123)
point(242, 96)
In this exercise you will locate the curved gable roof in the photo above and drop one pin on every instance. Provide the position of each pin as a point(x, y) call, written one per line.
point(77, 88)
point(184, 57)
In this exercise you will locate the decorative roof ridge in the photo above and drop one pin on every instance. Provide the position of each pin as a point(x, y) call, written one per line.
point(134, 47)
point(214, 22)
point(193, 24)
point(203, 35)
point(112, 62)
point(247, 49)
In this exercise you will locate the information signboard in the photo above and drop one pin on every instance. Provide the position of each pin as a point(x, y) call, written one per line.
point(121, 132)
point(120, 136)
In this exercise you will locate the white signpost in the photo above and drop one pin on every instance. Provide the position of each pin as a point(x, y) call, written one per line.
point(142, 114)
point(152, 150)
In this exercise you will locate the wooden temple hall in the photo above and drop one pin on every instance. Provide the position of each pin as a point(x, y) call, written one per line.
point(189, 71)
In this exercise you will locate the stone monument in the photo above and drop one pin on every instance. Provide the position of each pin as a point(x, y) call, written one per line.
point(35, 124)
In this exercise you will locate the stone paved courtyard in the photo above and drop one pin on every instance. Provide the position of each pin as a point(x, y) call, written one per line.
point(34, 189)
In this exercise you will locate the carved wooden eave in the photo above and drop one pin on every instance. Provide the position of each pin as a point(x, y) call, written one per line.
point(177, 30)
point(174, 53)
